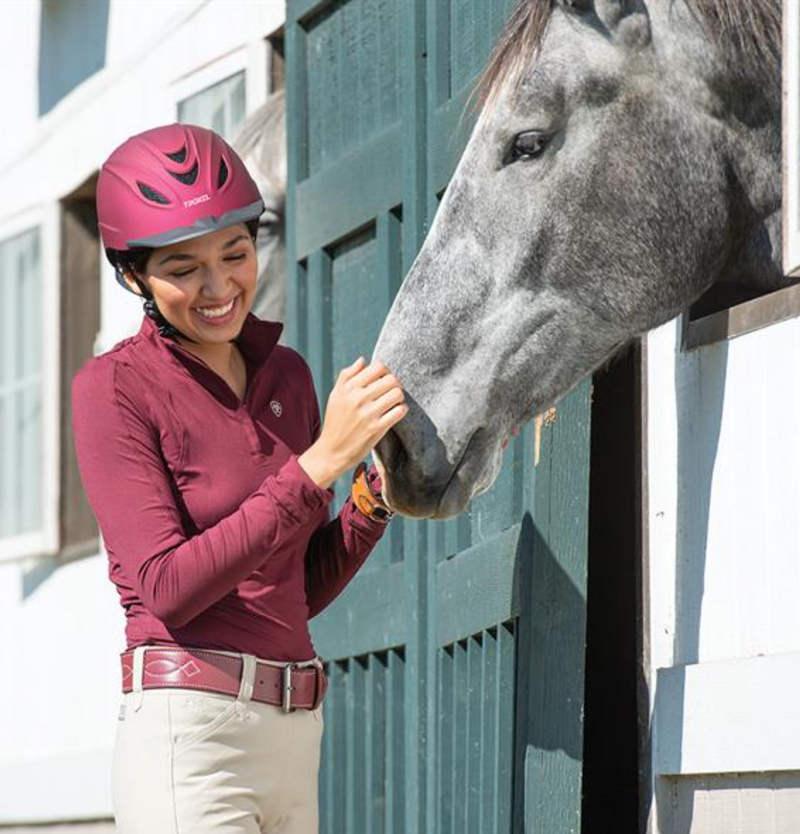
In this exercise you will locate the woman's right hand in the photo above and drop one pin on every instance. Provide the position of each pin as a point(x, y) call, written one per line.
point(363, 405)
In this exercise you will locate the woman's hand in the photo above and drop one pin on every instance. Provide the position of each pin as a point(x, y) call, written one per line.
point(363, 405)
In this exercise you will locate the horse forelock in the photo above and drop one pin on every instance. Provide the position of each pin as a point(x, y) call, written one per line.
point(515, 48)
point(748, 33)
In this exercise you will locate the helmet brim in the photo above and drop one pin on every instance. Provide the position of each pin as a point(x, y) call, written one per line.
point(201, 226)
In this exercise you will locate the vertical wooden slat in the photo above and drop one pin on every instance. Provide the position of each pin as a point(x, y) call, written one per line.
point(490, 716)
point(506, 662)
point(338, 766)
point(380, 784)
point(369, 729)
point(319, 321)
point(349, 751)
point(460, 722)
point(359, 742)
point(420, 649)
point(297, 159)
point(400, 754)
point(473, 735)
point(444, 744)
point(327, 752)
point(297, 308)
point(552, 631)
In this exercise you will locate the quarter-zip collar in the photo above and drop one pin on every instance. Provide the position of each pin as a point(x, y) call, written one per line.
point(256, 340)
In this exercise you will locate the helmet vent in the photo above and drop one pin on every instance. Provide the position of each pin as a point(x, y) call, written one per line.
point(189, 177)
point(151, 194)
point(223, 173)
point(178, 156)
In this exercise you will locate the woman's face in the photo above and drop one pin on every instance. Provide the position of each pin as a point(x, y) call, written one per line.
point(205, 274)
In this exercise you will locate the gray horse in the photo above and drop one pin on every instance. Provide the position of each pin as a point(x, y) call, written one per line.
point(261, 142)
point(626, 156)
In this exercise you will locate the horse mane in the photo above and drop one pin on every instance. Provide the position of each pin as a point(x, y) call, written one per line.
point(261, 142)
point(748, 32)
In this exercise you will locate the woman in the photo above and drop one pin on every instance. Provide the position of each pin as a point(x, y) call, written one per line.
point(202, 453)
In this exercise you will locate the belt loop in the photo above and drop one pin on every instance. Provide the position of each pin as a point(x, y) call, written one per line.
point(248, 678)
point(320, 683)
point(138, 676)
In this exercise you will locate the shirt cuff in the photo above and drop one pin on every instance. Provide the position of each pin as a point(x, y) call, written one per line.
point(308, 489)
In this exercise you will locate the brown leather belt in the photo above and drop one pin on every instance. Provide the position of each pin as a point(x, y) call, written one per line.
point(289, 686)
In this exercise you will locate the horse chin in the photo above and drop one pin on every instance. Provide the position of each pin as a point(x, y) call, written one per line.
point(474, 474)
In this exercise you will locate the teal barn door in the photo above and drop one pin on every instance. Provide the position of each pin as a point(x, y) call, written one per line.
point(456, 655)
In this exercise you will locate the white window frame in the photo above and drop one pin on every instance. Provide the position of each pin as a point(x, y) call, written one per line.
point(791, 137)
point(252, 57)
point(44, 542)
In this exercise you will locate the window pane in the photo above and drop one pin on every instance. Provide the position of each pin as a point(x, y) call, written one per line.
point(220, 107)
point(5, 467)
point(20, 386)
point(29, 458)
point(7, 313)
point(24, 264)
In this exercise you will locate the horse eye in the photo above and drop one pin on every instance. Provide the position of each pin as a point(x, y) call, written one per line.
point(268, 220)
point(527, 145)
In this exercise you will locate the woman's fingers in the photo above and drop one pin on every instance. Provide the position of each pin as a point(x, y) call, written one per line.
point(351, 370)
point(368, 374)
point(390, 417)
point(391, 398)
point(381, 385)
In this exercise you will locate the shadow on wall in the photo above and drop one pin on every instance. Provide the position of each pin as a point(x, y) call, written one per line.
point(72, 47)
point(700, 391)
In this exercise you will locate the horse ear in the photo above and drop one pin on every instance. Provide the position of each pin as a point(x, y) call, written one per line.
point(612, 13)
point(576, 6)
point(608, 12)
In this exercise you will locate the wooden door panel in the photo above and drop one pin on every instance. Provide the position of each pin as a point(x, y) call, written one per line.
point(456, 654)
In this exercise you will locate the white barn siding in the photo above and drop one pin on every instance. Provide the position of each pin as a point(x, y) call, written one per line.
point(723, 459)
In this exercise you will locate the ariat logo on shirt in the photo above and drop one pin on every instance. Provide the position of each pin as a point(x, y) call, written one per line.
point(277, 408)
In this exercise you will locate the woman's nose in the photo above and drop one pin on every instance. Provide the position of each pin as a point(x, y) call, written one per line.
point(216, 285)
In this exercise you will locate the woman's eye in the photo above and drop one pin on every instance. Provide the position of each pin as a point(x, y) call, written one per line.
point(240, 257)
point(528, 145)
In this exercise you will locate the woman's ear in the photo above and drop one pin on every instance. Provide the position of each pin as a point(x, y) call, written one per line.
point(136, 284)
point(131, 281)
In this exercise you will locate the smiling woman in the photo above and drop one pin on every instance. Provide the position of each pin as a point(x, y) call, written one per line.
point(206, 463)
point(203, 288)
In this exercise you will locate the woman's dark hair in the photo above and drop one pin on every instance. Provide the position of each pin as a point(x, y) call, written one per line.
point(135, 262)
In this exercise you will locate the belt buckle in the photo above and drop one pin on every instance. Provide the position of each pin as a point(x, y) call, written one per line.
point(287, 688)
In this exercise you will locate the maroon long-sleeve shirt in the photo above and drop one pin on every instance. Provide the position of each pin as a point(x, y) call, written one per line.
point(216, 536)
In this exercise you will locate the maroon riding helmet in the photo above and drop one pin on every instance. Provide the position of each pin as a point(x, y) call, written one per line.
point(169, 184)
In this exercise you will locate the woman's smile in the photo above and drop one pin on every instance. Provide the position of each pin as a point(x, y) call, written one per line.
point(217, 315)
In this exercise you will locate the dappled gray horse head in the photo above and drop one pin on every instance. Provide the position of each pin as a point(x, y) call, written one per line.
point(626, 155)
point(261, 142)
